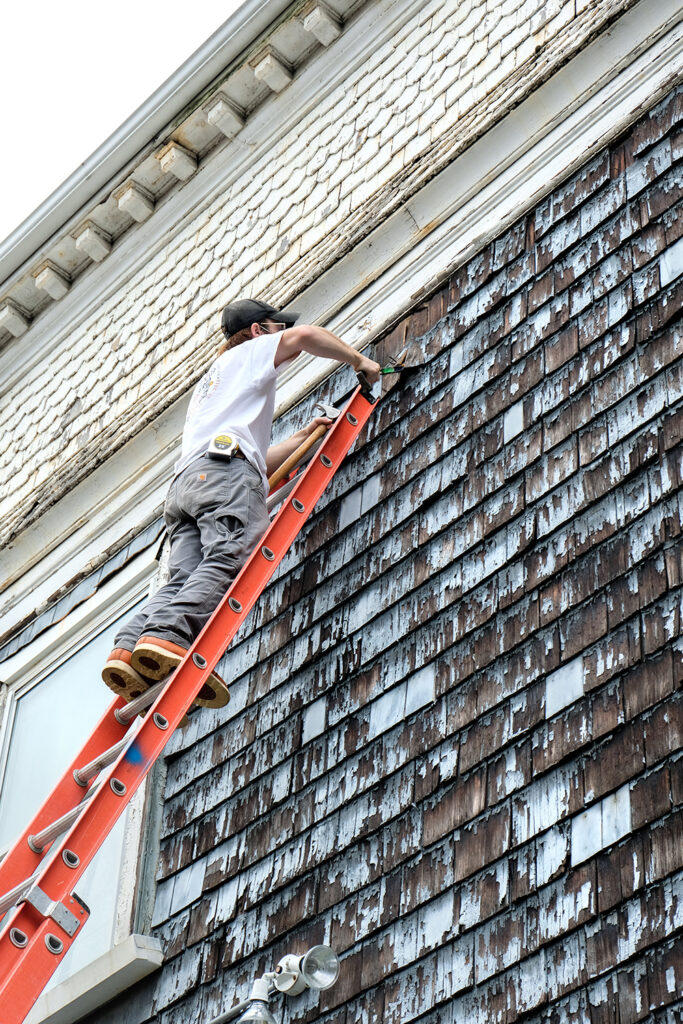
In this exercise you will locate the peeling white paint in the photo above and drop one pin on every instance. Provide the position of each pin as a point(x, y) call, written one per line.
point(436, 923)
point(314, 720)
point(541, 805)
point(420, 689)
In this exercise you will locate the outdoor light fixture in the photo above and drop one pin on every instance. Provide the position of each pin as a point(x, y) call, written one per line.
point(317, 969)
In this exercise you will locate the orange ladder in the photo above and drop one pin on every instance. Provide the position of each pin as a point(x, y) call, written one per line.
point(43, 915)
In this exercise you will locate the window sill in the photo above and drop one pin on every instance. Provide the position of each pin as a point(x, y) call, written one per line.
point(98, 982)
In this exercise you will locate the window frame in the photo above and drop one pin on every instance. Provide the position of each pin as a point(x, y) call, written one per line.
point(130, 956)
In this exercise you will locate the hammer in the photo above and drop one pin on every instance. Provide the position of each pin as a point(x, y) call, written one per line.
point(288, 465)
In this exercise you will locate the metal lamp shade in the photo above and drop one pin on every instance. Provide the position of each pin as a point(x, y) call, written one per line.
point(320, 967)
point(258, 1013)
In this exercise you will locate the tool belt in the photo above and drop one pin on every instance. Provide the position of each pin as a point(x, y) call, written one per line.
point(224, 447)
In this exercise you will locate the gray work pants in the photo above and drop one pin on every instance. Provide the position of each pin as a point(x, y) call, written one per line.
point(215, 513)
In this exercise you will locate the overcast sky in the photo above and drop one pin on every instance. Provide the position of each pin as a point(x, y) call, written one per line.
point(72, 72)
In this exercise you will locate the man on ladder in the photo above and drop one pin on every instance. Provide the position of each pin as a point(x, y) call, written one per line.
point(215, 511)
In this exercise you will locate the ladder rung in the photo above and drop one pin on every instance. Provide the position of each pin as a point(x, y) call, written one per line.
point(127, 714)
point(278, 496)
point(89, 771)
point(14, 896)
point(39, 841)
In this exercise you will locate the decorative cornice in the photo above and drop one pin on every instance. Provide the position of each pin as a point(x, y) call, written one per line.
point(260, 133)
point(130, 190)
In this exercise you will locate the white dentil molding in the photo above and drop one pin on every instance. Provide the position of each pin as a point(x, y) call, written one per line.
point(138, 133)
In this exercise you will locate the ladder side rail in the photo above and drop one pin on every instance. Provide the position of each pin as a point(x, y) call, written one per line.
point(37, 958)
point(147, 742)
point(21, 861)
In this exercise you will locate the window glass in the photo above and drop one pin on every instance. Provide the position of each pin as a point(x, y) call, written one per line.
point(51, 720)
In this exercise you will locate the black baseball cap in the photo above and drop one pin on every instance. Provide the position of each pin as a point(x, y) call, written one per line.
point(245, 312)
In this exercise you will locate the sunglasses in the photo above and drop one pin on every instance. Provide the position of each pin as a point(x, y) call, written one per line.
point(273, 325)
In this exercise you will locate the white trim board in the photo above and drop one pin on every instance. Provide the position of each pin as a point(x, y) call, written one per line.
point(552, 133)
point(102, 980)
point(507, 172)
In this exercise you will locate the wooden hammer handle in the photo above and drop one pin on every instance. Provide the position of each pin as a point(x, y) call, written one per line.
point(282, 471)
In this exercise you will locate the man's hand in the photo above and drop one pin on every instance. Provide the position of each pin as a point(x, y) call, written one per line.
point(369, 367)
point(279, 453)
point(317, 421)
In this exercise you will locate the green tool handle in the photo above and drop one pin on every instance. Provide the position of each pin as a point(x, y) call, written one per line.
point(367, 386)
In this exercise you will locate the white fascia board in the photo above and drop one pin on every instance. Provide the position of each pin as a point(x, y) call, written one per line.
point(511, 168)
point(552, 133)
point(94, 985)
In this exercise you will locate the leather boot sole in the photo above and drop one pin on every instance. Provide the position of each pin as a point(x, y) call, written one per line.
point(157, 662)
point(123, 679)
point(125, 682)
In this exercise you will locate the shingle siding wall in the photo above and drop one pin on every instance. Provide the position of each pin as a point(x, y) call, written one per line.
point(454, 745)
point(272, 225)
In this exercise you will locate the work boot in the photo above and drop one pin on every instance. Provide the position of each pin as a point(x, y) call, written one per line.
point(157, 658)
point(121, 677)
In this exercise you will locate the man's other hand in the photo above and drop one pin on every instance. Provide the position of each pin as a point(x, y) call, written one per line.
point(317, 421)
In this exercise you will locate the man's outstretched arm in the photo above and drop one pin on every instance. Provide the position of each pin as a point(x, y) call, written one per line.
point(319, 342)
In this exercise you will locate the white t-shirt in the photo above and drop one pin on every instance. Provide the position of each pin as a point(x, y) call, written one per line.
point(236, 396)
